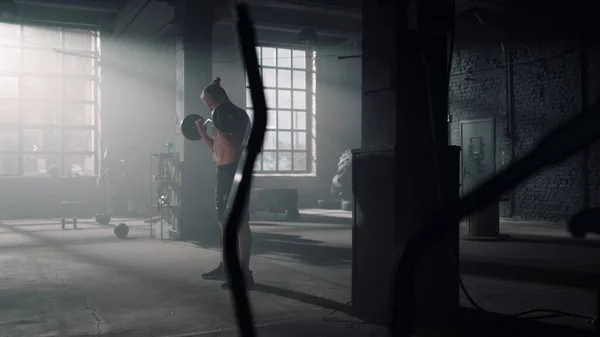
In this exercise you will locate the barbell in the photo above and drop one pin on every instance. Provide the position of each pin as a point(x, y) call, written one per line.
point(188, 127)
point(223, 122)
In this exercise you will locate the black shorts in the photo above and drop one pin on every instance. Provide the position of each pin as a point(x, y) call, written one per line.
point(225, 178)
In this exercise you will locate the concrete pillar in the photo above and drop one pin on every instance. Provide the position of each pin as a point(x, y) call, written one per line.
point(394, 181)
point(484, 224)
point(195, 18)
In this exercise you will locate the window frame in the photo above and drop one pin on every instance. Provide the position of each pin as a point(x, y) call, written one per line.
point(62, 101)
point(309, 110)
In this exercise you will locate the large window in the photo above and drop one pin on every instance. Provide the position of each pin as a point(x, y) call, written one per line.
point(288, 77)
point(48, 105)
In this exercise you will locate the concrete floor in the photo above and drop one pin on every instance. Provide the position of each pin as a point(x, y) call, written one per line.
point(86, 282)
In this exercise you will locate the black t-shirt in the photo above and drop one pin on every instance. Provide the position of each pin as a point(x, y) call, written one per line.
point(232, 121)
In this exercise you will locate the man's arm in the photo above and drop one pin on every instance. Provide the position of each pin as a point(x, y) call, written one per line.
point(208, 140)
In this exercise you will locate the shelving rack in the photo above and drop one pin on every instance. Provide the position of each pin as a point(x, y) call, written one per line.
point(165, 200)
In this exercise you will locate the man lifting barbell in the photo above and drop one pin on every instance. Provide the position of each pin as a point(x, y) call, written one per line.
point(231, 124)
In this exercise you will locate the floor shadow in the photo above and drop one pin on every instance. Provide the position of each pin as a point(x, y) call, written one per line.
point(53, 243)
point(528, 272)
point(476, 323)
point(308, 251)
point(305, 298)
point(299, 225)
point(160, 281)
point(157, 279)
point(69, 228)
point(304, 218)
point(555, 241)
point(54, 223)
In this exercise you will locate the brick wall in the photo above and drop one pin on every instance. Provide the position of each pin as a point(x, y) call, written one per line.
point(546, 90)
point(478, 85)
point(546, 94)
point(593, 85)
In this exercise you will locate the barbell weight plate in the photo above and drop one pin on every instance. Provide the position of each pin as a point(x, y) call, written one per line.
point(188, 127)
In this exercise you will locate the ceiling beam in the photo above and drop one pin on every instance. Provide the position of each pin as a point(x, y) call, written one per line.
point(300, 6)
point(128, 14)
point(295, 30)
point(281, 19)
point(464, 5)
point(77, 5)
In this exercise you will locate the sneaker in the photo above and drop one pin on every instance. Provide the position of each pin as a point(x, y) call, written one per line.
point(249, 281)
point(216, 274)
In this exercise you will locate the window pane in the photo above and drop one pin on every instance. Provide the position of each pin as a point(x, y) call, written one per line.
point(77, 65)
point(271, 97)
point(269, 77)
point(284, 140)
point(284, 58)
point(39, 60)
point(269, 161)
point(284, 160)
point(78, 39)
point(10, 59)
point(284, 120)
point(284, 78)
point(299, 77)
point(42, 140)
point(300, 100)
point(268, 57)
point(299, 59)
point(44, 37)
point(9, 87)
point(41, 165)
point(41, 113)
point(79, 90)
point(299, 120)
point(9, 111)
point(79, 114)
point(258, 163)
point(270, 142)
point(11, 34)
point(78, 140)
point(258, 53)
point(299, 140)
point(248, 99)
point(300, 161)
point(78, 164)
point(9, 140)
point(41, 88)
point(284, 99)
point(9, 164)
point(271, 119)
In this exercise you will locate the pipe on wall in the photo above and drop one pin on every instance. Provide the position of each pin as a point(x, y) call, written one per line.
point(584, 101)
point(510, 103)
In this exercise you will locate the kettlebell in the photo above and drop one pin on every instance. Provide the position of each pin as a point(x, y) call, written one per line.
point(103, 219)
point(121, 230)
